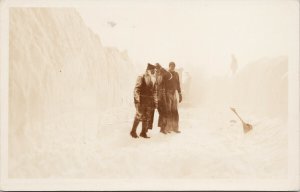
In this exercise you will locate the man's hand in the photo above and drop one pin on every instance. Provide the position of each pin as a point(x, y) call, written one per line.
point(180, 97)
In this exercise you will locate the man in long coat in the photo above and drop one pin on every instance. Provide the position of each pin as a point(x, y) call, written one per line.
point(161, 77)
point(172, 85)
point(145, 99)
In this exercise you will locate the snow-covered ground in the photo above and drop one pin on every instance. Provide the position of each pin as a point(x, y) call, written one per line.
point(84, 144)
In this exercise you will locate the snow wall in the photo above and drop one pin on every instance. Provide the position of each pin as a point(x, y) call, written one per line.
point(56, 63)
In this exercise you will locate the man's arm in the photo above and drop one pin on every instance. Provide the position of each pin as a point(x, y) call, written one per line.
point(137, 89)
point(178, 83)
point(166, 74)
point(178, 86)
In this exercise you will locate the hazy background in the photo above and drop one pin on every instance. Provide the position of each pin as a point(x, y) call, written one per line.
point(197, 35)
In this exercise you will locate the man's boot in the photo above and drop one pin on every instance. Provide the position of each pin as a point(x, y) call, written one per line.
point(176, 130)
point(134, 127)
point(163, 124)
point(162, 130)
point(144, 130)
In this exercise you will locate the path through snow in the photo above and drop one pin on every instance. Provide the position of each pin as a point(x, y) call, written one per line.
point(210, 146)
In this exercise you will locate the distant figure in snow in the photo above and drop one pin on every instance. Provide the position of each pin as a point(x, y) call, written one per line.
point(162, 76)
point(172, 85)
point(233, 65)
point(145, 100)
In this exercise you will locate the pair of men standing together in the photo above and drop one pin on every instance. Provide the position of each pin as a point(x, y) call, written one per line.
point(157, 89)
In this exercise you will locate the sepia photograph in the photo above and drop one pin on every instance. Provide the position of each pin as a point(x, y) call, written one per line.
point(149, 95)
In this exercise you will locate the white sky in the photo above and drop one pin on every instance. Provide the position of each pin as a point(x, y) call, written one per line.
point(192, 33)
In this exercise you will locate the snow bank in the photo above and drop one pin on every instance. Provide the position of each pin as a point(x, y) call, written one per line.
point(58, 65)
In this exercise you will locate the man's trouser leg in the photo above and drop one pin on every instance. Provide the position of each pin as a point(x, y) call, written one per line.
point(134, 127)
point(150, 124)
point(146, 121)
point(138, 117)
point(162, 121)
point(168, 112)
point(175, 114)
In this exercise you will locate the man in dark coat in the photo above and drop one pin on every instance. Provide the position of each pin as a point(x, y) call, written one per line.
point(145, 99)
point(161, 77)
point(172, 85)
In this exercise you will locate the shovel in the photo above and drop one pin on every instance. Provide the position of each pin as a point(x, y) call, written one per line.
point(247, 127)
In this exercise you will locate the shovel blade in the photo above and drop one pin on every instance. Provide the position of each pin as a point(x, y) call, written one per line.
point(247, 127)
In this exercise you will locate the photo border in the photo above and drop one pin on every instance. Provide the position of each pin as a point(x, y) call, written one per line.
point(291, 183)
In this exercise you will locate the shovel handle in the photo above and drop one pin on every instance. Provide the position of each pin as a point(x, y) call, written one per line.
point(237, 114)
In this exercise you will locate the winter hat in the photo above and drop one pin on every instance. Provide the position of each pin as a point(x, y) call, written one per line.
point(172, 63)
point(150, 66)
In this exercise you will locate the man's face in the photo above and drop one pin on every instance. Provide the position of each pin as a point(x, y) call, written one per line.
point(152, 71)
point(172, 67)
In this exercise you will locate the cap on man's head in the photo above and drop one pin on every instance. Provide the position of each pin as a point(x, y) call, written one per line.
point(172, 63)
point(150, 66)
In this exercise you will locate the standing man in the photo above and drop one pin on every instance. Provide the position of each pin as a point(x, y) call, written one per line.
point(172, 85)
point(162, 77)
point(145, 100)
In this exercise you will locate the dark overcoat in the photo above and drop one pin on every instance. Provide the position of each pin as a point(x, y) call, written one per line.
point(145, 99)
